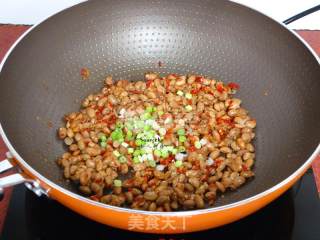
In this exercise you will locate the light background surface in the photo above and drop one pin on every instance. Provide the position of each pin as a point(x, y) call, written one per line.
point(33, 11)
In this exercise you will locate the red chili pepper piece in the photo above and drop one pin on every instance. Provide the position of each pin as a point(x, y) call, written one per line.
point(222, 133)
point(85, 73)
point(181, 170)
point(220, 88)
point(233, 85)
point(227, 121)
point(167, 84)
point(199, 79)
point(149, 83)
point(135, 92)
point(217, 163)
point(110, 106)
point(167, 160)
point(244, 167)
point(195, 91)
point(94, 198)
point(192, 149)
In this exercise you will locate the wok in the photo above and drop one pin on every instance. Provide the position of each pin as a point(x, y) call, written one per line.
point(278, 74)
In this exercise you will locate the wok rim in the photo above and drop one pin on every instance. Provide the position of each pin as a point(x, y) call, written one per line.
point(76, 196)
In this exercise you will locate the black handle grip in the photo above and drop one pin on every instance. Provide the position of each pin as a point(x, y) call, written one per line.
point(302, 14)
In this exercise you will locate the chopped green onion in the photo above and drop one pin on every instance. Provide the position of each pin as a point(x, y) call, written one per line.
point(139, 142)
point(146, 116)
point(130, 150)
point(188, 96)
point(157, 152)
point(147, 127)
point(182, 149)
point(103, 138)
point(155, 126)
point(122, 159)
point(189, 108)
point(117, 183)
point(150, 156)
point(197, 144)
point(139, 124)
point(136, 160)
point(142, 151)
point(103, 144)
point(178, 163)
point(174, 151)
point(182, 138)
point(150, 109)
point(124, 144)
point(152, 163)
point(148, 150)
point(119, 125)
point(116, 153)
point(129, 133)
point(169, 148)
point(162, 131)
point(129, 125)
point(140, 135)
point(180, 93)
point(164, 153)
point(117, 134)
point(136, 152)
point(181, 131)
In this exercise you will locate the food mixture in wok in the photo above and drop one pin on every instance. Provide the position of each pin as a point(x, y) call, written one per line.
point(163, 144)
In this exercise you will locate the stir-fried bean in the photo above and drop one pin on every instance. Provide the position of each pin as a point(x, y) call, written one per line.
point(163, 144)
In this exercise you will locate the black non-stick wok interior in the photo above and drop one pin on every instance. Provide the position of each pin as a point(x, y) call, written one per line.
point(279, 78)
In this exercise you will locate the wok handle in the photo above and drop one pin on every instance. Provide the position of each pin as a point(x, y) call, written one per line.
point(17, 178)
point(302, 14)
point(10, 180)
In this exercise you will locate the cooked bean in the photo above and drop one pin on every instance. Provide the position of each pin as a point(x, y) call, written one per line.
point(91, 113)
point(194, 182)
point(214, 154)
point(108, 80)
point(221, 187)
point(153, 206)
point(151, 94)
point(225, 150)
point(189, 204)
point(193, 113)
point(249, 163)
point(62, 132)
point(85, 189)
point(90, 163)
point(84, 178)
point(150, 196)
point(68, 141)
point(151, 76)
point(93, 151)
point(112, 99)
point(95, 187)
point(189, 187)
point(251, 124)
point(211, 195)
point(73, 147)
point(117, 190)
point(250, 147)
point(199, 201)
point(162, 199)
